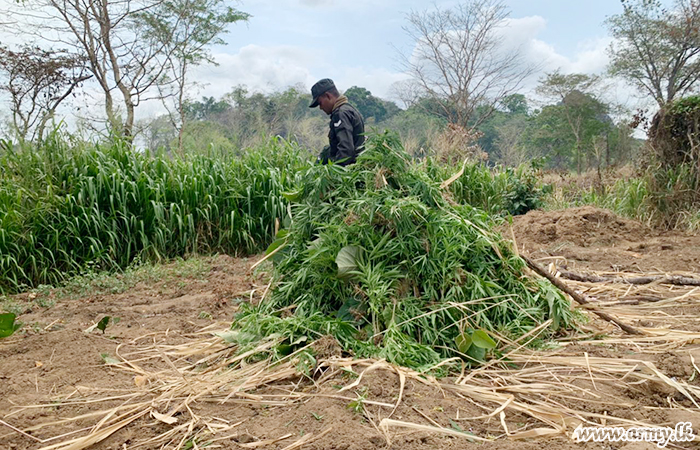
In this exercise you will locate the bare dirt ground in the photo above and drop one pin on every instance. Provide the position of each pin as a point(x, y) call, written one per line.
point(157, 378)
point(589, 238)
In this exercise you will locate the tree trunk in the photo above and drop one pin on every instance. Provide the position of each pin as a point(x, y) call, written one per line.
point(112, 120)
point(42, 125)
point(578, 156)
point(129, 123)
point(181, 105)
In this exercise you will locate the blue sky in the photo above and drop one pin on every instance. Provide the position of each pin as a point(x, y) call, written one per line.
point(288, 42)
point(355, 42)
point(372, 27)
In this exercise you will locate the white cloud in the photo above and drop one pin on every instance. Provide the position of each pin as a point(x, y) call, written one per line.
point(261, 69)
point(590, 58)
point(378, 81)
point(288, 6)
point(268, 69)
point(521, 35)
point(255, 67)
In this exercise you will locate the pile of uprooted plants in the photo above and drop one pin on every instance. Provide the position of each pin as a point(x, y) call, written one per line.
point(378, 256)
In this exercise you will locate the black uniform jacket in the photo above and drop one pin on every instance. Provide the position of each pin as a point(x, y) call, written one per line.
point(346, 135)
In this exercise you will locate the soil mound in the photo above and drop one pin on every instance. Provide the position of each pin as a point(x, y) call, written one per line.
point(584, 226)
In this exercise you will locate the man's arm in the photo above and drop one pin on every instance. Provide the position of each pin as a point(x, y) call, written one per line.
point(346, 144)
point(323, 156)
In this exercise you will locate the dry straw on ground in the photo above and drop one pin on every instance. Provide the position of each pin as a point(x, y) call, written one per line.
point(555, 390)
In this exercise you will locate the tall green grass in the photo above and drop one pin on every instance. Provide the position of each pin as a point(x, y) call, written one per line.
point(67, 207)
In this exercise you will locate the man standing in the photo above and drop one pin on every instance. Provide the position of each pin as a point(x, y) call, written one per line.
point(346, 135)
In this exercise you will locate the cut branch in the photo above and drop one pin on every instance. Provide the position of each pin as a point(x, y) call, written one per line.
point(661, 279)
point(579, 298)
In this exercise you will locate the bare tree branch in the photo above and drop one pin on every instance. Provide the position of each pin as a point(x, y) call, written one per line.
point(38, 81)
point(459, 60)
point(657, 49)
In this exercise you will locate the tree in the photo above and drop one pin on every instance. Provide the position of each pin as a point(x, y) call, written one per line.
point(508, 144)
point(38, 81)
point(417, 129)
point(584, 116)
point(186, 28)
point(460, 61)
point(131, 46)
point(107, 34)
point(371, 106)
point(257, 114)
point(515, 104)
point(159, 134)
point(657, 49)
point(207, 109)
point(547, 136)
point(512, 107)
point(621, 146)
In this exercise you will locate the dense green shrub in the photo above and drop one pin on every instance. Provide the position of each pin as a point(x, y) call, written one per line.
point(498, 191)
point(675, 133)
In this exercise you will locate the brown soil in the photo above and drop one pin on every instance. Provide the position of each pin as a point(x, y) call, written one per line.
point(589, 238)
point(53, 362)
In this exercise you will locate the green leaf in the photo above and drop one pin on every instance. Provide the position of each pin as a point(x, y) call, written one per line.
point(388, 315)
point(483, 340)
point(347, 261)
point(277, 243)
point(8, 325)
point(553, 312)
point(456, 427)
point(306, 363)
point(350, 309)
point(284, 349)
point(477, 353)
point(108, 359)
point(299, 340)
point(237, 337)
point(292, 196)
point(315, 244)
point(463, 341)
point(102, 324)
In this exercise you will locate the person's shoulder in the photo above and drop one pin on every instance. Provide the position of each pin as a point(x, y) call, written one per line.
point(349, 109)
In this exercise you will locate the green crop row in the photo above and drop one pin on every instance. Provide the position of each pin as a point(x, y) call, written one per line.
point(68, 208)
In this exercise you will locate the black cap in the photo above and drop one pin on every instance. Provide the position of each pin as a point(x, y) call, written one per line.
point(319, 89)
